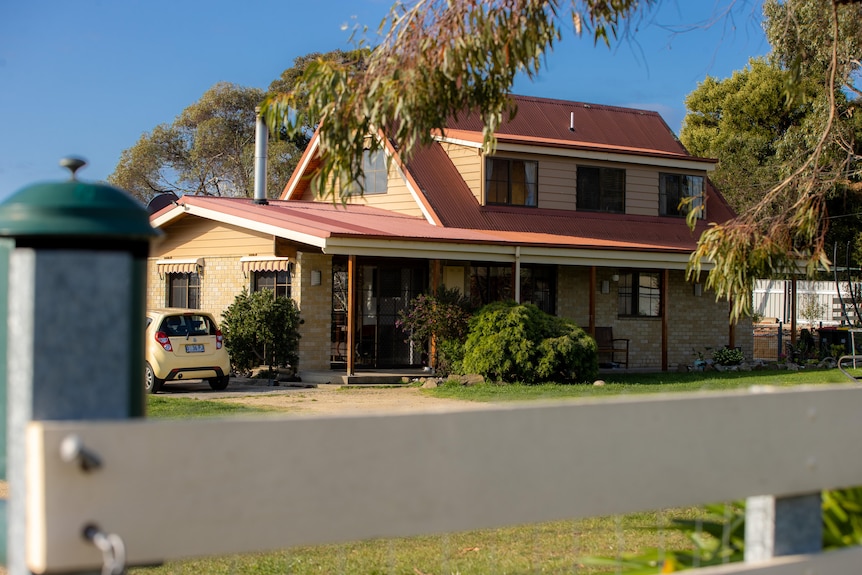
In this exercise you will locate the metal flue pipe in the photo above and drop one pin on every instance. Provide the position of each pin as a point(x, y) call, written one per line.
point(261, 140)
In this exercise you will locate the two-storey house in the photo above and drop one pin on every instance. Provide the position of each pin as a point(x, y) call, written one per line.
point(577, 211)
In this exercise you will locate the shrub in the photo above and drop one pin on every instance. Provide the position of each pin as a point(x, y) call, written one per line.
point(728, 356)
point(260, 329)
point(444, 317)
point(511, 342)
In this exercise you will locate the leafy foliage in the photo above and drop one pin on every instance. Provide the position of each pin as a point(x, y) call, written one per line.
point(728, 356)
point(744, 121)
point(437, 59)
point(209, 148)
point(721, 537)
point(442, 317)
point(816, 43)
point(512, 342)
point(260, 329)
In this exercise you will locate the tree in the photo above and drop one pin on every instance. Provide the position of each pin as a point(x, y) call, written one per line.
point(742, 121)
point(260, 329)
point(209, 148)
point(821, 155)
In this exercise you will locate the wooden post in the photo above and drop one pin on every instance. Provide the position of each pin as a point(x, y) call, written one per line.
point(665, 280)
point(776, 526)
point(435, 285)
point(793, 310)
point(351, 313)
point(592, 300)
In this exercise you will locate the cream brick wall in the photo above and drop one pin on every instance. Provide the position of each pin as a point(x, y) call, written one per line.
point(315, 305)
point(694, 322)
point(222, 280)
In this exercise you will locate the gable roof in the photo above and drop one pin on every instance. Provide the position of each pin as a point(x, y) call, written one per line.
point(577, 125)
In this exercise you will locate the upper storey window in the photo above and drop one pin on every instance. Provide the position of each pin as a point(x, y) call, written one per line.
point(601, 189)
point(376, 178)
point(674, 188)
point(511, 182)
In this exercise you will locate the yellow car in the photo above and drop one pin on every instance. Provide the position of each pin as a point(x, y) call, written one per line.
point(184, 344)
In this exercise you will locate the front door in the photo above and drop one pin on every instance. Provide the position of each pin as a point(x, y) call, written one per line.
point(384, 288)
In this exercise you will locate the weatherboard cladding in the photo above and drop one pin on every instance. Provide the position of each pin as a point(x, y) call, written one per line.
point(456, 206)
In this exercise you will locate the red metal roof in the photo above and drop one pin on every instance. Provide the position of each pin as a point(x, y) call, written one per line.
point(545, 121)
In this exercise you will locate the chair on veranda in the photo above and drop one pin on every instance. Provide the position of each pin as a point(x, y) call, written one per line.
point(615, 349)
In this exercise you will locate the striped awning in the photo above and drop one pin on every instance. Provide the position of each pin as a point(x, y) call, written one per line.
point(180, 266)
point(264, 264)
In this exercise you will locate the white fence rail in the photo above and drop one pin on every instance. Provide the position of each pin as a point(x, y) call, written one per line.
point(175, 489)
point(772, 298)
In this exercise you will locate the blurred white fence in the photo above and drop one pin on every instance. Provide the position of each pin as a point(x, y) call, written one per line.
point(817, 302)
point(175, 489)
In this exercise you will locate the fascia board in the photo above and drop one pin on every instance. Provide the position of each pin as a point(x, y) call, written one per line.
point(608, 258)
point(167, 217)
point(309, 153)
point(618, 157)
point(277, 231)
point(608, 156)
point(507, 253)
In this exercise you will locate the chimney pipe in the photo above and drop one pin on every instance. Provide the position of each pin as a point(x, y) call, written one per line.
point(261, 139)
point(571, 121)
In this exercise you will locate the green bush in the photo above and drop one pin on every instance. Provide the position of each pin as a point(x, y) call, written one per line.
point(511, 342)
point(728, 356)
point(260, 329)
point(443, 316)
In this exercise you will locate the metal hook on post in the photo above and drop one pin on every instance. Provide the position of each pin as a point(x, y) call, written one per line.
point(72, 450)
point(112, 547)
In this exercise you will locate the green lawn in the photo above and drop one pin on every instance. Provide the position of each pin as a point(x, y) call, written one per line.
point(555, 547)
point(622, 384)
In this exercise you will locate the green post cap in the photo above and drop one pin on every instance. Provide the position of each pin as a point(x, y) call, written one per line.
point(74, 208)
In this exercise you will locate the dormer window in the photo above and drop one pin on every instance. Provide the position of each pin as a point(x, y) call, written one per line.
point(601, 189)
point(376, 178)
point(511, 182)
point(673, 188)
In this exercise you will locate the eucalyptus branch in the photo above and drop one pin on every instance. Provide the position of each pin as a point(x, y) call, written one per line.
point(437, 59)
point(764, 241)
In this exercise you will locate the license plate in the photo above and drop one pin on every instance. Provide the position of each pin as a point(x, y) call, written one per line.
point(194, 348)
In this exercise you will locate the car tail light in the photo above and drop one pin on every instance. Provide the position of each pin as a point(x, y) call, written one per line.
point(164, 340)
point(219, 339)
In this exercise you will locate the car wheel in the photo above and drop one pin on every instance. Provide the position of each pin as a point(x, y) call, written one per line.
point(152, 384)
point(219, 383)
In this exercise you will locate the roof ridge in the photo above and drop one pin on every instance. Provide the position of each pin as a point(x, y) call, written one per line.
point(587, 105)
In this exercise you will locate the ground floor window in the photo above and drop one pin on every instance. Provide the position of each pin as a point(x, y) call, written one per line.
point(278, 282)
point(184, 290)
point(640, 294)
point(494, 282)
point(489, 283)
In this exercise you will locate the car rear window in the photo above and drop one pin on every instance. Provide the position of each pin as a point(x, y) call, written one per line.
point(187, 325)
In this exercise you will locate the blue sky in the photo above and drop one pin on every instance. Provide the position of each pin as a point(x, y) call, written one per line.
point(87, 78)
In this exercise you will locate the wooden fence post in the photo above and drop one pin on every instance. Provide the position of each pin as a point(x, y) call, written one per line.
point(776, 526)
